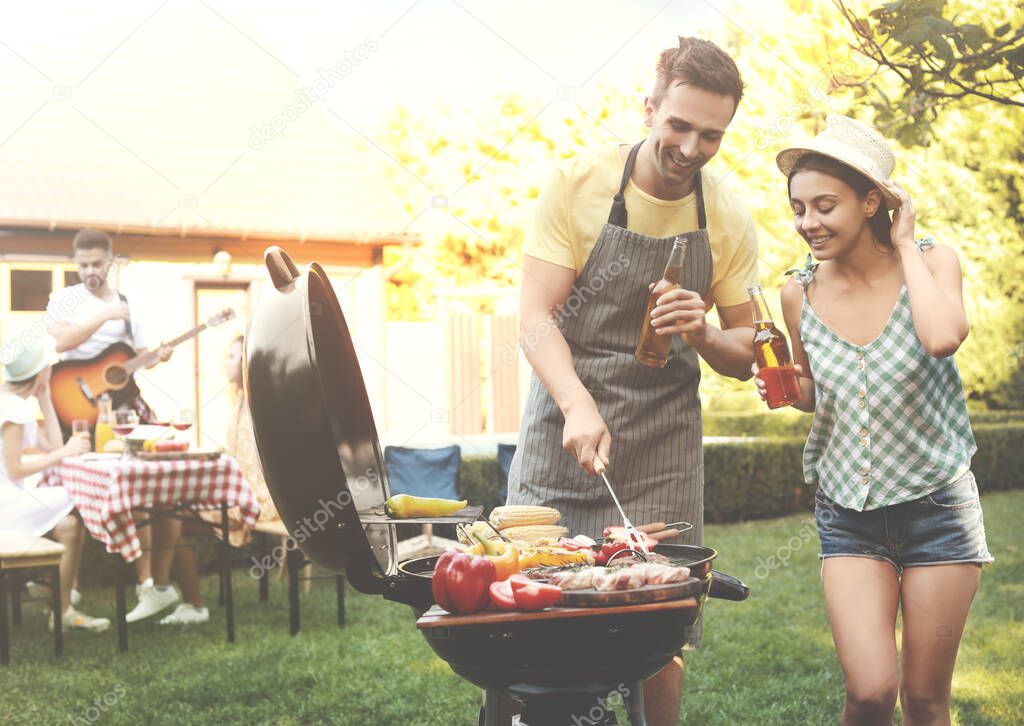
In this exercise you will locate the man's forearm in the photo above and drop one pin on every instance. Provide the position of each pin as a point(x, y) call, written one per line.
point(549, 355)
point(71, 335)
point(729, 352)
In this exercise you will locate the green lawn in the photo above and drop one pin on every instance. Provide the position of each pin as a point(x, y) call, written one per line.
point(769, 660)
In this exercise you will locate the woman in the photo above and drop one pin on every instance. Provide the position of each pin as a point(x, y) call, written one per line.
point(42, 511)
point(242, 446)
point(874, 324)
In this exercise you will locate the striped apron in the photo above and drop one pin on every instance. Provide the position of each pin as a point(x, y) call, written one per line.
point(653, 414)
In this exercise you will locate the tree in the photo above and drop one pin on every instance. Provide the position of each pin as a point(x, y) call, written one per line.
point(940, 58)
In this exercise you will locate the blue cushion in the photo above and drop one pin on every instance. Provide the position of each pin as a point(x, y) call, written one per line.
point(505, 454)
point(423, 472)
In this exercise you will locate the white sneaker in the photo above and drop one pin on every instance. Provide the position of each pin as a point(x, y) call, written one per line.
point(75, 597)
point(186, 614)
point(151, 601)
point(148, 582)
point(74, 620)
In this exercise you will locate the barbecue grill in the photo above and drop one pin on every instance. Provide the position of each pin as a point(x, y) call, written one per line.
point(323, 465)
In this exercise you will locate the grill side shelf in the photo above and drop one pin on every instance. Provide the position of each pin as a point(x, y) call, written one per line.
point(466, 515)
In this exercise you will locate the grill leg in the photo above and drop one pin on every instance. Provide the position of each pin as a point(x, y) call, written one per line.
point(293, 562)
point(225, 577)
point(339, 583)
point(492, 707)
point(58, 625)
point(636, 704)
point(5, 635)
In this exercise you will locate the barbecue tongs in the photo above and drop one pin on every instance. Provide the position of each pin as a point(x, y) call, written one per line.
point(632, 533)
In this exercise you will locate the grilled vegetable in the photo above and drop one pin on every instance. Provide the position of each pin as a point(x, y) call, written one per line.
point(521, 515)
point(532, 595)
point(461, 582)
point(553, 557)
point(403, 506)
point(533, 532)
point(504, 555)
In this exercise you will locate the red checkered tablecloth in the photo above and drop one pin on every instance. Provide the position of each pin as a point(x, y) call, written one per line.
point(105, 491)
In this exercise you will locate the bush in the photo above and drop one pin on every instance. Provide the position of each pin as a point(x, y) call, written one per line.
point(763, 477)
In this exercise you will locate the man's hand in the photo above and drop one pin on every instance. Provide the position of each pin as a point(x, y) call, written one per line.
point(586, 435)
point(680, 312)
point(118, 311)
point(164, 353)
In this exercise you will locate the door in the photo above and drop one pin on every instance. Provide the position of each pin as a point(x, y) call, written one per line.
point(213, 391)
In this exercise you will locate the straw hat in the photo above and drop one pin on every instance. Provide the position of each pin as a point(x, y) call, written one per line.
point(22, 361)
point(857, 145)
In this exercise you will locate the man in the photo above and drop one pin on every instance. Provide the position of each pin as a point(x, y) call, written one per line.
point(601, 237)
point(85, 319)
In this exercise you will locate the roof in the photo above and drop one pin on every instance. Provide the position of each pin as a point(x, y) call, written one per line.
point(188, 125)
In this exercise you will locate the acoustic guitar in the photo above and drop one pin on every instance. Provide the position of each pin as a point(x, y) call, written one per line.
point(76, 385)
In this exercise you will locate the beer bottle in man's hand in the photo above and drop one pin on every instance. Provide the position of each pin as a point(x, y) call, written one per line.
point(775, 366)
point(652, 349)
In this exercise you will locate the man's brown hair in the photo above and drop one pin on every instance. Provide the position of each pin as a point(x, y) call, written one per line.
point(700, 63)
point(92, 239)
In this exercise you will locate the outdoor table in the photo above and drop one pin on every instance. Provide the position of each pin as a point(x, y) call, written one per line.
point(110, 490)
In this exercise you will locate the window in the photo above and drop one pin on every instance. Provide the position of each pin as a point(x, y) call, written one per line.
point(30, 289)
point(71, 278)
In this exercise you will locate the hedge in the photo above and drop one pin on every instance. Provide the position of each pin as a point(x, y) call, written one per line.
point(763, 477)
point(790, 422)
point(755, 478)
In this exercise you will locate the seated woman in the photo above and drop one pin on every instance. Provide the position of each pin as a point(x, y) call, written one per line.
point(46, 511)
point(240, 444)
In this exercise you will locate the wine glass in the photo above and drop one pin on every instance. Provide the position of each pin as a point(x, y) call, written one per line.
point(125, 421)
point(186, 417)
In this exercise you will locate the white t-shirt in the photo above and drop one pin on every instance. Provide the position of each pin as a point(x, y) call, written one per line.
point(16, 410)
point(75, 304)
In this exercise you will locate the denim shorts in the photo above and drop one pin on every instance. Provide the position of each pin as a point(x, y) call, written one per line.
point(942, 528)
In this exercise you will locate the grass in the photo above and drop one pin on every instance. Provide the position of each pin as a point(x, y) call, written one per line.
point(769, 660)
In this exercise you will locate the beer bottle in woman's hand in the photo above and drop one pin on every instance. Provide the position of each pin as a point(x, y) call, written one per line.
point(775, 366)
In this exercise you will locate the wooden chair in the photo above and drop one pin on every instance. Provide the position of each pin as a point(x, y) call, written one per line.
point(21, 554)
point(295, 564)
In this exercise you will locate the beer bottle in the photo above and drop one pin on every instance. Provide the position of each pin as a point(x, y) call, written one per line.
point(652, 349)
point(775, 366)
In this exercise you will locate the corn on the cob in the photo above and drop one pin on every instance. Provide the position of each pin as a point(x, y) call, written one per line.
point(521, 515)
point(533, 532)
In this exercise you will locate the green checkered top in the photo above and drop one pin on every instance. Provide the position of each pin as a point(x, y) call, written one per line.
point(890, 421)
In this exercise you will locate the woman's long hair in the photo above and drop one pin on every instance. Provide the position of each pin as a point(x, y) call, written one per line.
point(881, 225)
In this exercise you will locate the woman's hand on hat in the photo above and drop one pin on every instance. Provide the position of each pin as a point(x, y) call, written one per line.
point(903, 217)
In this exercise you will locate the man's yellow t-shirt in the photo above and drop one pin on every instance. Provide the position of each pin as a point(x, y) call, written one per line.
point(574, 206)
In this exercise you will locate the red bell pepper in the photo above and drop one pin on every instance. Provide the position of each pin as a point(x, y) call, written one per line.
point(461, 582)
point(501, 592)
point(532, 595)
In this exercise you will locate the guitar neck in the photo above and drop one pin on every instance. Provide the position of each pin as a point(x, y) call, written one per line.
point(144, 359)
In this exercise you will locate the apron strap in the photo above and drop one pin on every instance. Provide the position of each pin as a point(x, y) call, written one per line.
point(618, 216)
point(702, 216)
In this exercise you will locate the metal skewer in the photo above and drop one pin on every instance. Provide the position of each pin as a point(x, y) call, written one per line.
point(632, 533)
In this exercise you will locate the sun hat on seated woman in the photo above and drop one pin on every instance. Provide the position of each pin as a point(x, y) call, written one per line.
point(852, 143)
point(21, 360)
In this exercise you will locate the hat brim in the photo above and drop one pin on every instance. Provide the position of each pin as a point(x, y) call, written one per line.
point(48, 357)
point(787, 159)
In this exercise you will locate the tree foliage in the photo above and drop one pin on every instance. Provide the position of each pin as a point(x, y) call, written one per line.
point(470, 175)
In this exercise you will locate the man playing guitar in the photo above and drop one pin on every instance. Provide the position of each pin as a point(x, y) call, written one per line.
point(85, 319)
point(88, 317)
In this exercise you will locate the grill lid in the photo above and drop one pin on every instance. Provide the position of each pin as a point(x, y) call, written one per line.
point(313, 425)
